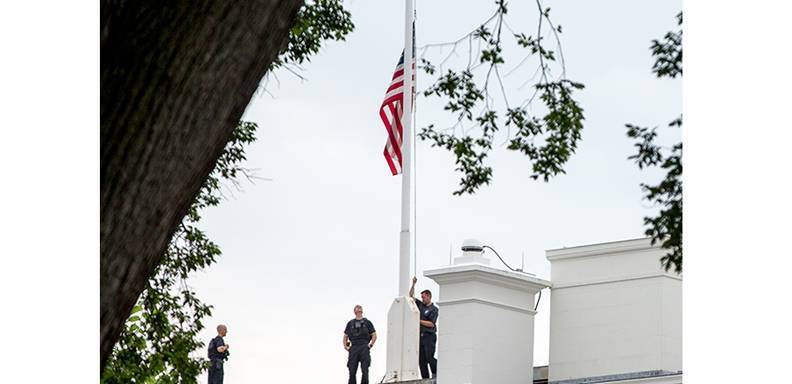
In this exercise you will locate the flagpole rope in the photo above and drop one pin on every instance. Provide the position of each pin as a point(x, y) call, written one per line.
point(415, 151)
point(415, 203)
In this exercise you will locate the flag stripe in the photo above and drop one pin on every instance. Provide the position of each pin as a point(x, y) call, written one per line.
point(394, 136)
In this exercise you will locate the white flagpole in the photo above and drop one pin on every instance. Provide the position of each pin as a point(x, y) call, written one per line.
point(404, 239)
point(402, 358)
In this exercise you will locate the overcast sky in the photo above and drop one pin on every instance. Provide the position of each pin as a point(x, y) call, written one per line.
point(301, 250)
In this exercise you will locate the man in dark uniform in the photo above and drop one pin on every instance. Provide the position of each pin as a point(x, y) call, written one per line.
point(218, 352)
point(429, 313)
point(359, 337)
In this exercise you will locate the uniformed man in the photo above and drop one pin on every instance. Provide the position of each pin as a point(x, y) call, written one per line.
point(218, 353)
point(359, 337)
point(429, 313)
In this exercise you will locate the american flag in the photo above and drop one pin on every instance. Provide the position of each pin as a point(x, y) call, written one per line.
point(391, 113)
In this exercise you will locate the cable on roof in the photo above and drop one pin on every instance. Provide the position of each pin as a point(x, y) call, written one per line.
point(518, 270)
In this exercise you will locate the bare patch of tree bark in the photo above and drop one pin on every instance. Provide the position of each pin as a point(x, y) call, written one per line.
point(175, 79)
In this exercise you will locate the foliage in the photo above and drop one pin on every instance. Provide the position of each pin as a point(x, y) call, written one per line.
point(666, 226)
point(160, 337)
point(317, 21)
point(547, 139)
point(668, 53)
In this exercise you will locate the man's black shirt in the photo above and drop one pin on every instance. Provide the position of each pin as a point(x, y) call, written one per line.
point(428, 313)
point(359, 331)
point(213, 353)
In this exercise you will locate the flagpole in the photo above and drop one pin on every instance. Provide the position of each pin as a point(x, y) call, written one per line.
point(407, 134)
point(403, 317)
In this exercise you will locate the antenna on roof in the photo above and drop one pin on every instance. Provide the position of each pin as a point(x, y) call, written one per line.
point(450, 247)
point(522, 266)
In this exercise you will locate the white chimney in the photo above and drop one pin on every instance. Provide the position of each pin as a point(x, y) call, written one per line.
point(486, 324)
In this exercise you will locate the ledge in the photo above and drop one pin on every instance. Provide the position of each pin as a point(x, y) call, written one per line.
point(421, 381)
point(642, 244)
point(479, 272)
point(643, 376)
point(487, 302)
point(616, 279)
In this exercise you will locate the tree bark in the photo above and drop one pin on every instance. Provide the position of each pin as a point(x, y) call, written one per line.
point(176, 77)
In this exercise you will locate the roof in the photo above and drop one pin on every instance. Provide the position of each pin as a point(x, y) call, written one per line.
point(542, 379)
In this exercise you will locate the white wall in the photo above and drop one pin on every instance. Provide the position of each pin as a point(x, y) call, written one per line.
point(613, 310)
point(471, 346)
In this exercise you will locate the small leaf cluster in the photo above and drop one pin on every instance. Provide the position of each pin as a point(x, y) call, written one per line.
point(317, 21)
point(460, 90)
point(561, 128)
point(491, 53)
point(469, 158)
point(535, 46)
point(469, 152)
point(668, 53)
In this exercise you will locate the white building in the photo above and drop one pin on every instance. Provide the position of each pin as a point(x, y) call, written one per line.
point(615, 317)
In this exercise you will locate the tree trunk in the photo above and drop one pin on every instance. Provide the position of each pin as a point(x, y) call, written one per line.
point(176, 77)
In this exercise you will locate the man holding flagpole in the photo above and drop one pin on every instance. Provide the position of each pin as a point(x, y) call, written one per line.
point(428, 322)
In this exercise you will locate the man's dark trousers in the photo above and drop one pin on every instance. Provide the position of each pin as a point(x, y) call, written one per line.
point(359, 354)
point(216, 372)
point(426, 354)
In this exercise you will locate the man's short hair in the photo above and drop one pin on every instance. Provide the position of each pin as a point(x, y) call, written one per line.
point(219, 327)
point(358, 306)
point(428, 292)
